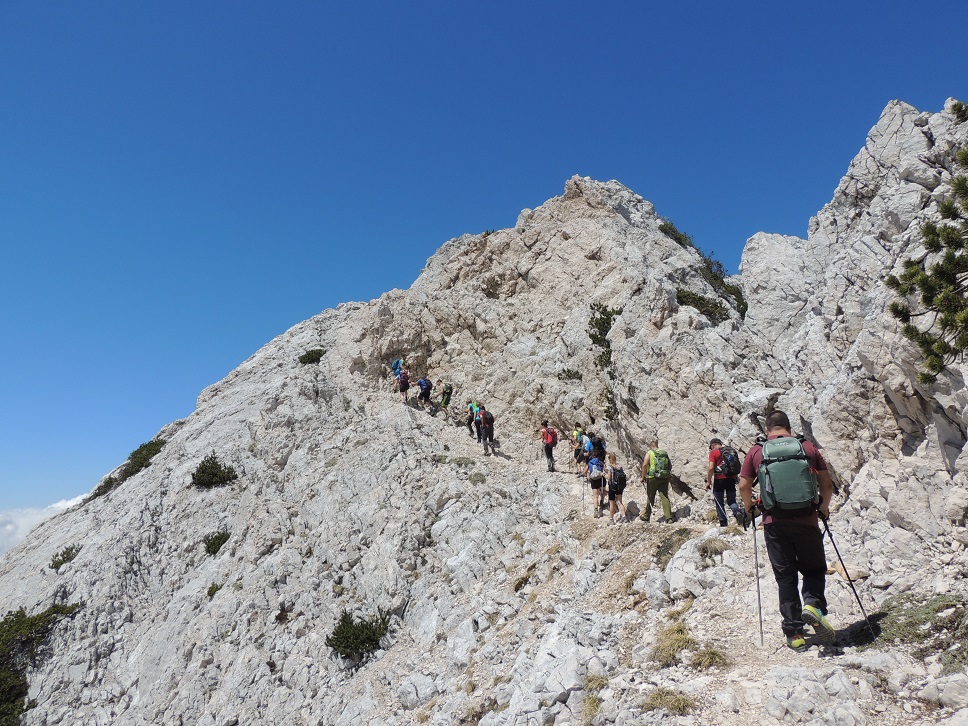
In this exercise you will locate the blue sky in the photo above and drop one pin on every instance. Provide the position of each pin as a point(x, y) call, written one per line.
point(182, 181)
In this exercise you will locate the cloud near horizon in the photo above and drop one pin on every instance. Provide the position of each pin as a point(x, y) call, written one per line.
point(16, 524)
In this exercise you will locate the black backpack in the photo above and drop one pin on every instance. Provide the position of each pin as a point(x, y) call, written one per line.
point(487, 418)
point(618, 478)
point(448, 389)
point(729, 464)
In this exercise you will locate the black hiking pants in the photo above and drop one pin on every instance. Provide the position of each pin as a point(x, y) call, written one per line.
point(549, 452)
point(796, 547)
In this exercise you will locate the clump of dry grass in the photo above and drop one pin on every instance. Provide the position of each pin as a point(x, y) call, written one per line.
point(669, 699)
point(670, 643)
point(708, 658)
point(712, 546)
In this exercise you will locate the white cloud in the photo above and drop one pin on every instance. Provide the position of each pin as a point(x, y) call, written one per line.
point(15, 524)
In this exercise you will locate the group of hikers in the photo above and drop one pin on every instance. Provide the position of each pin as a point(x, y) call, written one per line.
point(480, 421)
point(795, 493)
point(607, 478)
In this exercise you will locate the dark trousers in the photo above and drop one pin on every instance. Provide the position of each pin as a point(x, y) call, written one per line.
point(795, 547)
point(487, 436)
point(725, 488)
point(549, 452)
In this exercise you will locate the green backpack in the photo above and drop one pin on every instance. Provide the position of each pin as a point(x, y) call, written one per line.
point(788, 485)
point(659, 465)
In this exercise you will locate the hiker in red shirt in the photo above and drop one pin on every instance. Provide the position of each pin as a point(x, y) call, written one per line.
point(794, 541)
point(549, 437)
point(721, 473)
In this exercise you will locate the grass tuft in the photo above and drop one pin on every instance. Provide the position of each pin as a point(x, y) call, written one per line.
point(671, 641)
point(708, 658)
point(675, 702)
point(670, 545)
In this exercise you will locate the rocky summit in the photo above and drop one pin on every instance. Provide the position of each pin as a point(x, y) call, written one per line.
point(488, 591)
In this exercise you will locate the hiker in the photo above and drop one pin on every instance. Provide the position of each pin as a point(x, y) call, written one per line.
point(425, 387)
point(576, 444)
point(403, 383)
point(656, 470)
point(478, 407)
point(596, 479)
point(724, 466)
point(395, 369)
point(615, 475)
point(549, 437)
point(471, 416)
point(485, 431)
point(794, 486)
point(446, 392)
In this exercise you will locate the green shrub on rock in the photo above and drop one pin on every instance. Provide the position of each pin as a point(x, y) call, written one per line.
point(355, 639)
point(138, 459)
point(213, 473)
point(712, 309)
point(64, 556)
point(213, 542)
point(22, 641)
point(312, 356)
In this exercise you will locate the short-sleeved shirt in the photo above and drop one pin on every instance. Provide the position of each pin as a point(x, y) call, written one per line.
point(751, 468)
point(716, 457)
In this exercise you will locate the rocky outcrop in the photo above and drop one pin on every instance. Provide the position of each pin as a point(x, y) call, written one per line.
point(509, 604)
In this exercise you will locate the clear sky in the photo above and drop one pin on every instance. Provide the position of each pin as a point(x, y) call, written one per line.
point(182, 181)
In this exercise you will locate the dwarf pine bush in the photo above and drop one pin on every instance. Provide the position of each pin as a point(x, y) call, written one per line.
point(312, 356)
point(213, 473)
point(213, 542)
point(355, 639)
point(22, 642)
point(64, 556)
point(138, 459)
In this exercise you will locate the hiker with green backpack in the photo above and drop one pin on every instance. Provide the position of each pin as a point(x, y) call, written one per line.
point(656, 470)
point(795, 487)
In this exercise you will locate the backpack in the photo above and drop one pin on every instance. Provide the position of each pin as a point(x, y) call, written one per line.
point(598, 445)
point(550, 436)
point(729, 463)
point(595, 469)
point(404, 377)
point(618, 477)
point(788, 485)
point(660, 467)
point(487, 418)
point(424, 384)
point(448, 389)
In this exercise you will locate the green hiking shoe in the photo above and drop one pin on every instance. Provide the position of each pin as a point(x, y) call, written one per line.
point(813, 617)
point(797, 642)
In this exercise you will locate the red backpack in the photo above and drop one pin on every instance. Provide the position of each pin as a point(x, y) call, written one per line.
point(550, 436)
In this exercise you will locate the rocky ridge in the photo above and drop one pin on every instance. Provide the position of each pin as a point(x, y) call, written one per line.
point(510, 604)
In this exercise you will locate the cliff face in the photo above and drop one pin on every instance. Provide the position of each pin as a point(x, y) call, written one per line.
point(506, 595)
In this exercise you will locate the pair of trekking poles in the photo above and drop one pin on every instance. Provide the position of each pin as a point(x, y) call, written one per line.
point(756, 564)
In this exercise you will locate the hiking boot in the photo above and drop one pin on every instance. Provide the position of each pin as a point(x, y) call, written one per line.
point(815, 618)
point(597, 513)
point(797, 642)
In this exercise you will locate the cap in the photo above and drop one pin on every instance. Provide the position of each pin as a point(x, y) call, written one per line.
point(715, 441)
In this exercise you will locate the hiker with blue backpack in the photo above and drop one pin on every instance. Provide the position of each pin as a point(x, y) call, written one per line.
point(425, 386)
point(795, 488)
point(596, 480)
point(724, 467)
point(656, 470)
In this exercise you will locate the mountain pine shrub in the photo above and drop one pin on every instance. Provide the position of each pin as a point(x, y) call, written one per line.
point(213, 473)
point(213, 542)
point(312, 356)
point(712, 270)
point(23, 639)
point(712, 309)
point(138, 459)
point(933, 287)
point(355, 639)
point(64, 556)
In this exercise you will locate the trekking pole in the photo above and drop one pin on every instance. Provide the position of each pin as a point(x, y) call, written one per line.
point(847, 574)
point(719, 506)
point(756, 564)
